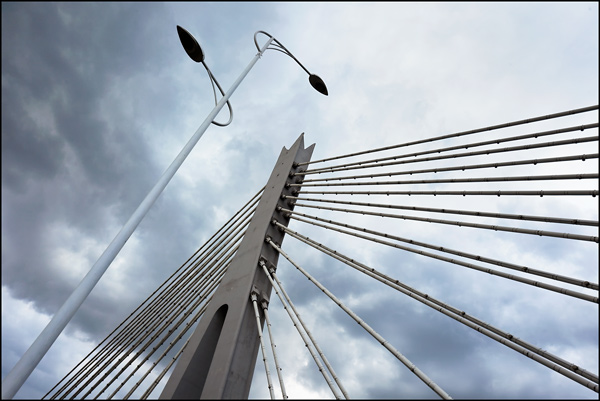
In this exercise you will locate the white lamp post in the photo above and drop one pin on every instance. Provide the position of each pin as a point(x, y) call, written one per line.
point(28, 362)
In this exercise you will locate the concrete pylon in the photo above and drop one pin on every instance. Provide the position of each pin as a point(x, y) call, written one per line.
point(219, 360)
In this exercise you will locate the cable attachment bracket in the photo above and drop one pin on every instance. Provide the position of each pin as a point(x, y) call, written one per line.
point(266, 263)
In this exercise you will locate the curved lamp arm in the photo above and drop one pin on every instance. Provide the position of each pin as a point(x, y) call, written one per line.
point(315, 81)
point(214, 81)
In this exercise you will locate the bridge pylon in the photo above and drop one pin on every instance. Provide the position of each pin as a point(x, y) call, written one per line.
point(219, 360)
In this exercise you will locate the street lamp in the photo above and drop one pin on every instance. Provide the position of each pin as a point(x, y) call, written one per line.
point(28, 362)
point(193, 49)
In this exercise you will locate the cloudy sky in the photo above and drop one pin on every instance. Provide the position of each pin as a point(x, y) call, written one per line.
point(98, 98)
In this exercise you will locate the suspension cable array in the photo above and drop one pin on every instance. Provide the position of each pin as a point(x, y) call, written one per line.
point(459, 315)
point(310, 343)
point(364, 325)
point(542, 192)
point(567, 155)
point(158, 325)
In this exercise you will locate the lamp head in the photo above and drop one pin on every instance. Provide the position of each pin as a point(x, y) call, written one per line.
point(318, 84)
point(191, 46)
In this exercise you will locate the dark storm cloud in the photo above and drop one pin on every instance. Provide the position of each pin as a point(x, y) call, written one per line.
point(66, 67)
point(62, 158)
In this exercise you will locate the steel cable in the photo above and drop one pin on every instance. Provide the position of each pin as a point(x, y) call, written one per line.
point(456, 180)
point(545, 219)
point(540, 193)
point(582, 157)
